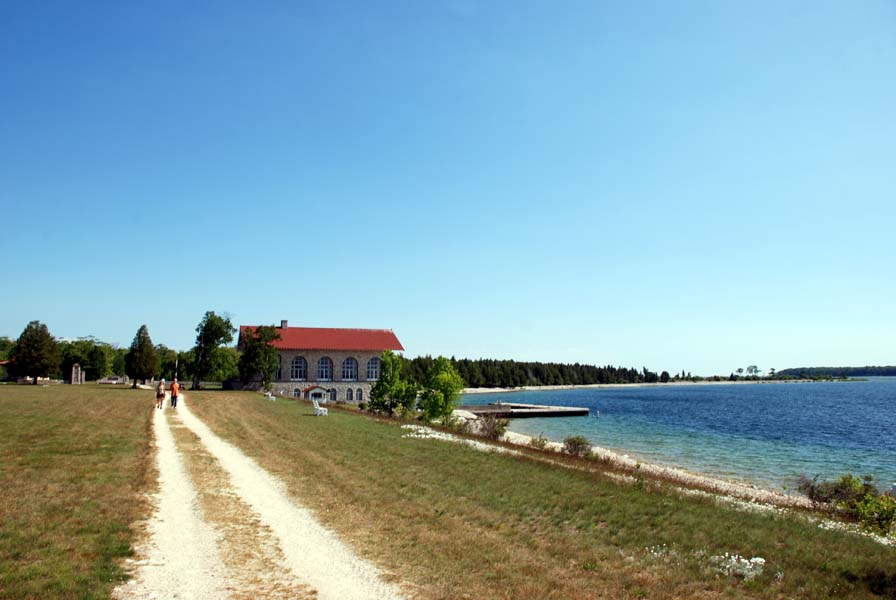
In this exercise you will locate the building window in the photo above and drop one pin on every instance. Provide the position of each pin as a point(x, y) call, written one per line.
point(349, 369)
point(373, 369)
point(359, 395)
point(324, 369)
point(348, 395)
point(298, 369)
point(333, 394)
point(297, 393)
point(279, 374)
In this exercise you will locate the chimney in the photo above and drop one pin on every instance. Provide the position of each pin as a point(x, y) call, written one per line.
point(283, 324)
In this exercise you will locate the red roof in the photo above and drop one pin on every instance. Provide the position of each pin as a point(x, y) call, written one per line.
point(326, 338)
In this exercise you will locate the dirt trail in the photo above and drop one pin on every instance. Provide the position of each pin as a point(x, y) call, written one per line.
point(180, 557)
point(240, 536)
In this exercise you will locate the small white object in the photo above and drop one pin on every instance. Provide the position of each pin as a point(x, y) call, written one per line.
point(318, 410)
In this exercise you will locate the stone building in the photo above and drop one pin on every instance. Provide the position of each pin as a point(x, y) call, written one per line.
point(336, 365)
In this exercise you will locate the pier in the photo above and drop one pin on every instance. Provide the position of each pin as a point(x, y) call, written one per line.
point(507, 410)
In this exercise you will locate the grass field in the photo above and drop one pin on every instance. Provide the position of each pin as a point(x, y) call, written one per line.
point(460, 523)
point(74, 468)
point(450, 521)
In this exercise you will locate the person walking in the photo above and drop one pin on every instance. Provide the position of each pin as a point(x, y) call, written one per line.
point(175, 390)
point(160, 394)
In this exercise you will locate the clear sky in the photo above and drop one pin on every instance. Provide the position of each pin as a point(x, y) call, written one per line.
point(678, 185)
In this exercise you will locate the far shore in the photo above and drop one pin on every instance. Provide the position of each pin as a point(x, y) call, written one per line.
point(594, 386)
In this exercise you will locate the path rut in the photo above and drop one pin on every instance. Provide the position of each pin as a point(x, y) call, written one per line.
point(184, 555)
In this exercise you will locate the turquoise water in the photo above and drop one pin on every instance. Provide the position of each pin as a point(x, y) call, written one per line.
point(765, 434)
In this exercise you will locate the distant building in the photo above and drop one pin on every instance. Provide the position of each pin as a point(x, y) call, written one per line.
point(336, 365)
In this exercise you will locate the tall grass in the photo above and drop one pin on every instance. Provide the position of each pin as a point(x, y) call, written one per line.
point(458, 523)
point(74, 466)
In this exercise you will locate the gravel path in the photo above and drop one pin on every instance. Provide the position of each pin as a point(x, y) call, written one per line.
point(182, 557)
point(313, 552)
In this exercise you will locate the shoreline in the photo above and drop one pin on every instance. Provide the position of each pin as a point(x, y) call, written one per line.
point(678, 475)
point(597, 386)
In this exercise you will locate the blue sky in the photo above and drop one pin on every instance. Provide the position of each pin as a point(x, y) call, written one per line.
point(688, 185)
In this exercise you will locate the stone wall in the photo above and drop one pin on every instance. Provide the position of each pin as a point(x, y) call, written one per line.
point(287, 387)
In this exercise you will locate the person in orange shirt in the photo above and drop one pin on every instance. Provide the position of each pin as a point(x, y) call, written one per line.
point(175, 389)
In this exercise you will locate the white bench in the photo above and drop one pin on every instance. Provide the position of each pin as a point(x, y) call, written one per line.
point(319, 411)
point(269, 396)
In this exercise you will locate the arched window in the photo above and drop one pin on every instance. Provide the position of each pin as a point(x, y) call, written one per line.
point(333, 394)
point(348, 395)
point(324, 369)
point(297, 393)
point(298, 369)
point(359, 395)
point(373, 369)
point(349, 369)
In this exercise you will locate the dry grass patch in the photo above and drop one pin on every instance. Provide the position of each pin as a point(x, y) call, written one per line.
point(75, 467)
point(248, 549)
point(459, 523)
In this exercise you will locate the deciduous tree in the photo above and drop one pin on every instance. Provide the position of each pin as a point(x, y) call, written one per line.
point(6, 346)
point(259, 357)
point(212, 332)
point(391, 392)
point(442, 390)
point(36, 353)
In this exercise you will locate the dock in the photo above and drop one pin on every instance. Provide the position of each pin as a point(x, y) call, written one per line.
point(507, 410)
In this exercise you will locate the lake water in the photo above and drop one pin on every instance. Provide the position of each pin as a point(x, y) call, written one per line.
point(766, 434)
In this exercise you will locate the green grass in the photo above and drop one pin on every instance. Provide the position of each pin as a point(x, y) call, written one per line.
point(449, 521)
point(74, 464)
point(459, 523)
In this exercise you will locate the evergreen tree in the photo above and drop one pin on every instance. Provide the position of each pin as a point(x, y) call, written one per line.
point(141, 360)
point(36, 353)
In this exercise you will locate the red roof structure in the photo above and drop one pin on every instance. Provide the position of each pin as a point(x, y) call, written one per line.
point(327, 338)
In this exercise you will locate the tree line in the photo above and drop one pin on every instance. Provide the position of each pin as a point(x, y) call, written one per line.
point(815, 372)
point(487, 373)
point(37, 353)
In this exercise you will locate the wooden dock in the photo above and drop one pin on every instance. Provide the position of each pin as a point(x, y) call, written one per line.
point(507, 410)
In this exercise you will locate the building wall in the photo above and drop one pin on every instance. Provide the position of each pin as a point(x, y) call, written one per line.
point(284, 386)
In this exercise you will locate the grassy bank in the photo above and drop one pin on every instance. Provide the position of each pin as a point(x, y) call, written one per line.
point(74, 463)
point(459, 523)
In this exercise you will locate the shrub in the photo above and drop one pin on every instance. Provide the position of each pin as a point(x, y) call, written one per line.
point(362, 406)
point(492, 427)
point(857, 498)
point(577, 445)
point(845, 493)
point(539, 443)
point(877, 513)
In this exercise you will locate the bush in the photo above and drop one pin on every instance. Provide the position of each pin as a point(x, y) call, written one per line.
point(577, 445)
point(845, 493)
point(877, 513)
point(362, 406)
point(857, 498)
point(492, 427)
point(539, 443)
point(459, 425)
